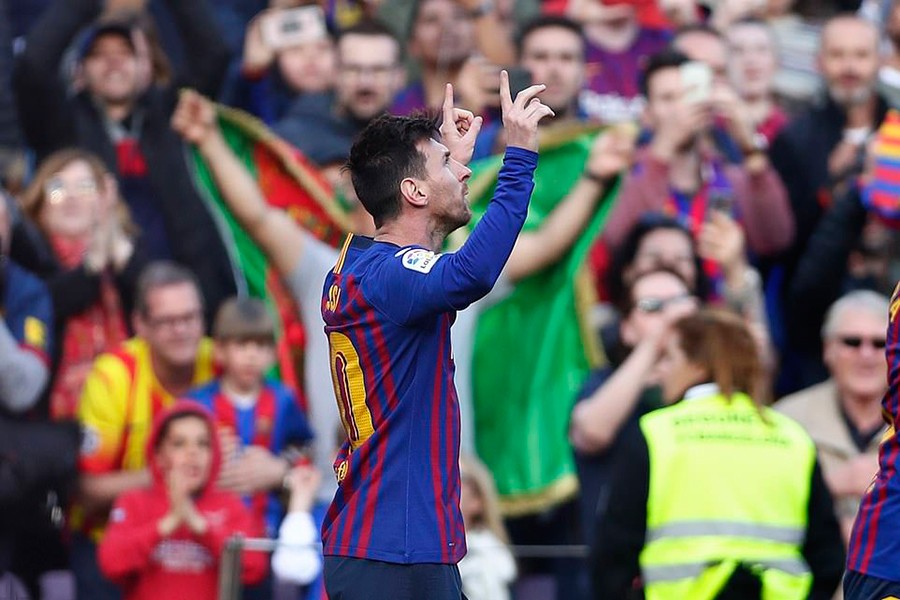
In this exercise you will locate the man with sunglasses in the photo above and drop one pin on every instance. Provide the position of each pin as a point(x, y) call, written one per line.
point(843, 415)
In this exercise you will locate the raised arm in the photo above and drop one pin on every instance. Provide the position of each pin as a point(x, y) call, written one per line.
point(424, 283)
point(279, 237)
point(205, 51)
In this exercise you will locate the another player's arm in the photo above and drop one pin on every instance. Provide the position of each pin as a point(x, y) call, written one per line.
point(892, 354)
point(277, 234)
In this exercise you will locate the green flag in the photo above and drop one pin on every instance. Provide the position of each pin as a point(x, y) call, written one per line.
point(535, 348)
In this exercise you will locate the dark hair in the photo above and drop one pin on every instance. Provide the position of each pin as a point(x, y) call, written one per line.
point(627, 301)
point(664, 59)
point(183, 409)
point(244, 319)
point(546, 22)
point(616, 285)
point(385, 153)
point(721, 342)
point(373, 28)
point(160, 274)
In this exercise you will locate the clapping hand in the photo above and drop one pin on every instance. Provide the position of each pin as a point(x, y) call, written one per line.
point(459, 129)
point(522, 115)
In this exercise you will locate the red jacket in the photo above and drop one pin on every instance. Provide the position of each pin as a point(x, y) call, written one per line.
point(183, 565)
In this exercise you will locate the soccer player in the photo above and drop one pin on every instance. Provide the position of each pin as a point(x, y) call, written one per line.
point(872, 567)
point(394, 530)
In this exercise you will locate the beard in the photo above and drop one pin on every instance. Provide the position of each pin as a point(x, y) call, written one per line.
point(850, 97)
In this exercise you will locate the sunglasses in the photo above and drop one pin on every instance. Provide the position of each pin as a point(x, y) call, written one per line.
point(655, 305)
point(855, 341)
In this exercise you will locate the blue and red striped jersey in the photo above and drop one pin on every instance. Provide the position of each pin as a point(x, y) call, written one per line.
point(274, 421)
point(388, 311)
point(875, 540)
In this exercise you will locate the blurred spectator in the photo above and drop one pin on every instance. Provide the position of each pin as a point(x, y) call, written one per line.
point(551, 51)
point(702, 43)
point(124, 392)
point(297, 559)
point(680, 174)
point(275, 72)
point(889, 74)
point(751, 70)
point(298, 257)
point(261, 427)
point(167, 540)
point(369, 74)
point(26, 334)
point(617, 48)
point(120, 115)
point(819, 153)
point(85, 251)
point(716, 495)
point(797, 39)
point(615, 397)
point(442, 40)
point(843, 415)
point(488, 568)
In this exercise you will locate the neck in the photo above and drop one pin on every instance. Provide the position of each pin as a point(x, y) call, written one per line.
point(234, 388)
point(758, 108)
point(434, 78)
point(118, 111)
point(613, 36)
point(862, 114)
point(684, 170)
point(864, 411)
point(177, 380)
point(403, 235)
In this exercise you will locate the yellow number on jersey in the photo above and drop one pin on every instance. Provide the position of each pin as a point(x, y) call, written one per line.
point(350, 389)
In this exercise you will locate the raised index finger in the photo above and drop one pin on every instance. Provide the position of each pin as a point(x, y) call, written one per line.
point(447, 108)
point(506, 101)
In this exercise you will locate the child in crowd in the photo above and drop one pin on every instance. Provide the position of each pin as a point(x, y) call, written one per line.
point(165, 541)
point(262, 428)
point(488, 568)
point(298, 558)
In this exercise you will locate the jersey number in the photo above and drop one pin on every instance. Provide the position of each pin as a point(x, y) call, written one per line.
point(350, 389)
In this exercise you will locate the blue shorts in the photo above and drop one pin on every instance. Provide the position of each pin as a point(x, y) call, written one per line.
point(361, 579)
point(865, 587)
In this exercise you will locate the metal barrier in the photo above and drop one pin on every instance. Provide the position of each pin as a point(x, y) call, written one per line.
point(230, 563)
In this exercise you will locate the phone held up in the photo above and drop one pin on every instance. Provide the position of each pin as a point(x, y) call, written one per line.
point(294, 26)
point(696, 81)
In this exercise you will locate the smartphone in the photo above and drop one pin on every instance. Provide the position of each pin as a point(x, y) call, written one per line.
point(519, 79)
point(719, 201)
point(696, 80)
point(294, 26)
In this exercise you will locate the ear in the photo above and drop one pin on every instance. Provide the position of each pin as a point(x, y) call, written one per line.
point(627, 333)
point(646, 119)
point(828, 353)
point(139, 324)
point(218, 352)
point(415, 192)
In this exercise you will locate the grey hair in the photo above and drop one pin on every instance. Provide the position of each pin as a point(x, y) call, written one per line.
point(158, 274)
point(862, 300)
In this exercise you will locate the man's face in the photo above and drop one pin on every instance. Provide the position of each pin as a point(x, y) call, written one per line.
point(665, 94)
point(653, 297)
point(706, 48)
point(848, 59)
point(555, 57)
point(854, 354)
point(751, 60)
point(445, 181)
point(111, 69)
point(369, 74)
point(5, 226)
point(173, 325)
point(443, 34)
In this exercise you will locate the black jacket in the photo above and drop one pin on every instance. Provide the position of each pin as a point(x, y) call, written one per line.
point(52, 119)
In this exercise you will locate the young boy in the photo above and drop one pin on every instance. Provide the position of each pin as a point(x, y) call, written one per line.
point(261, 426)
point(165, 541)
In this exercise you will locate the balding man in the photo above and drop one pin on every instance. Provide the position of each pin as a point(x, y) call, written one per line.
point(820, 151)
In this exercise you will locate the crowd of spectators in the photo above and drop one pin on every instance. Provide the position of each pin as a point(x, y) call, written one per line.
point(702, 154)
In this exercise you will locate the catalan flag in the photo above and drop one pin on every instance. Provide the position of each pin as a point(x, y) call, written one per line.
point(881, 192)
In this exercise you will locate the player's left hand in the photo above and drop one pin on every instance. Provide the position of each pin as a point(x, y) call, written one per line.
point(256, 469)
point(459, 129)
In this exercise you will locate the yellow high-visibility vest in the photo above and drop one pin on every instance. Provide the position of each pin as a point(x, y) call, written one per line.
point(727, 486)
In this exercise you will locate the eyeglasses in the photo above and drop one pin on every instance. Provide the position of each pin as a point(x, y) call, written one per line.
point(655, 305)
point(172, 322)
point(56, 190)
point(373, 70)
point(855, 341)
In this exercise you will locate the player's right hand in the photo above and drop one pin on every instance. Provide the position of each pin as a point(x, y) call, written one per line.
point(522, 115)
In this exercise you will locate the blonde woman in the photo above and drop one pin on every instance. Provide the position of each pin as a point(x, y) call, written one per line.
point(488, 568)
